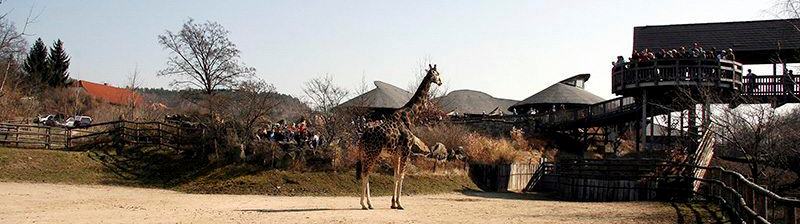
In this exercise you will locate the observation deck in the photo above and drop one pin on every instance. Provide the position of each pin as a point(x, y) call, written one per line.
point(633, 77)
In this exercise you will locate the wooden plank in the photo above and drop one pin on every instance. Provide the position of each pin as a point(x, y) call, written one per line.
point(791, 215)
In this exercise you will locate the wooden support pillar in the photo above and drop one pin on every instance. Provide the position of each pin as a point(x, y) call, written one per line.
point(669, 124)
point(692, 128)
point(681, 125)
point(643, 125)
point(774, 69)
point(706, 116)
point(636, 126)
point(791, 215)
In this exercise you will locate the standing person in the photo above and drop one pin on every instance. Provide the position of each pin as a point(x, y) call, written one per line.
point(729, 55)
point(635, 57)
point(619, 63)
point(751, 81)
point(683, 53)
point(696, 51)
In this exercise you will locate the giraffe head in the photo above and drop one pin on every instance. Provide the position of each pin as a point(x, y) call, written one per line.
point(433, 75)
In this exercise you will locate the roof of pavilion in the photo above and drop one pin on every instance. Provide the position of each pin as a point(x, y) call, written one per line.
point(753, 42)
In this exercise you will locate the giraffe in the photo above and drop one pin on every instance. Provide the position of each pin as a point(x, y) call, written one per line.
point(394, 133)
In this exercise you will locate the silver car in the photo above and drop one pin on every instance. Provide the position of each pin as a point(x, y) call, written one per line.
point(78, 122)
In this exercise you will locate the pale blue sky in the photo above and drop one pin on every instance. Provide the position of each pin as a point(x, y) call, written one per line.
point(509, 49)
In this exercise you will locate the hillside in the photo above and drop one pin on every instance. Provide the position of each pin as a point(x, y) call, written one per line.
point(94, 167)
point(288, 107)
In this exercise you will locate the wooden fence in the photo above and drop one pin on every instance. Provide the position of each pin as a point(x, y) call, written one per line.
point(642, 179)
point(502, 178)
point(120, 132)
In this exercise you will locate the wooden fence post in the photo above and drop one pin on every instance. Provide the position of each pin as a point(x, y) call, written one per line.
point(791, 215)
point(47, 138)
point(160, 134)
point(16, 139)
point(67, 135)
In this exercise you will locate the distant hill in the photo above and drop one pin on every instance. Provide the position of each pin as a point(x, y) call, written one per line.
point(289, 108)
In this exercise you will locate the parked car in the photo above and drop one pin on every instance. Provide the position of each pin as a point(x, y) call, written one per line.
point(49, 120)
point(78, 122)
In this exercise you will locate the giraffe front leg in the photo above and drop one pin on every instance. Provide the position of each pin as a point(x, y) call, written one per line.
point(400, 191)
point(363, 191)
point(369, 199)
point(396, 183)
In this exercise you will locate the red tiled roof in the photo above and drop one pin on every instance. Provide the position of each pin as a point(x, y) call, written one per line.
point(111, 94)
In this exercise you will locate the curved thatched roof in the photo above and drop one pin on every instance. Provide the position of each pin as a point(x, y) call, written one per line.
point(564, 92)
point(384, 95)
point(472, 102)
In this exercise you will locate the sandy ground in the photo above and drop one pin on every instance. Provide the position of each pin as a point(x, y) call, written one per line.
point(54, 203)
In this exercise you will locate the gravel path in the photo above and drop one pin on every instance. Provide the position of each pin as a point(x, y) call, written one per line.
point(55, 203)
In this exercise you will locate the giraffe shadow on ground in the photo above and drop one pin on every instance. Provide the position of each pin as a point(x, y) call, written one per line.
point(298, 210)
point(508, 195)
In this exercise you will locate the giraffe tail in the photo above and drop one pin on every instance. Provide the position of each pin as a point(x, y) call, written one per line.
point(358, 170)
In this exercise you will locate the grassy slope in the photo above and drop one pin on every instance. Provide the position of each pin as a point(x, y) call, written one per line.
point(30, 165)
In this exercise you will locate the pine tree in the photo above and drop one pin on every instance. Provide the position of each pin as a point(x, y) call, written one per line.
point(35, 64)
point(59, 63)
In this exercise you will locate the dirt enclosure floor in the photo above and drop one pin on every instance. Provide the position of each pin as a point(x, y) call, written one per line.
point(55, 203)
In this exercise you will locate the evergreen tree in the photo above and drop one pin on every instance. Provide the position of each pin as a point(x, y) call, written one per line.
point(59, 63)
point(35, 64)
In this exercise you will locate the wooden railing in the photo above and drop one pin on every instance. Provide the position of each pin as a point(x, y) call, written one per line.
point(643, 179)
point(565, 118)
point(123, 132)
point(588, 114)
point(666, 72)
point(771, 85)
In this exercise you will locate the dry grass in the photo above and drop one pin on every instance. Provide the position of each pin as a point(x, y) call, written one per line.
point(487, 150)
point(27, 165)
point(35, 165)
point(482, 148)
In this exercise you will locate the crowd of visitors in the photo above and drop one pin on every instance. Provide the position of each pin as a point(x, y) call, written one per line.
point(286, 133)
point(696, 52)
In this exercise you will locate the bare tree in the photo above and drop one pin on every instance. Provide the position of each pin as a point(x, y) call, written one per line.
point(749, 135)
point(363, 86)
point(324, 94)
point(252, 102)
point(249, 105)
point(203, 57)
point(12, 48)
point(132, 86)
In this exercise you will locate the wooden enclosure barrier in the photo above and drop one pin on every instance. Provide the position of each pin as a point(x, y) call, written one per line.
point(502, 178)
point(121, 132)
point(644, 179)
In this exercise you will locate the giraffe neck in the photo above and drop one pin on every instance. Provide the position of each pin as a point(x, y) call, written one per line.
point(420, 97)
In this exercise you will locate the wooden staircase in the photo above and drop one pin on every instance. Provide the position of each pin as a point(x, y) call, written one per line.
point(703, 155)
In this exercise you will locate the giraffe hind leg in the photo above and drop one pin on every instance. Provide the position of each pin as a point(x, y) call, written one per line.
point(402, 173)
point(363, 191)
point(369, 199)
point(395, 195)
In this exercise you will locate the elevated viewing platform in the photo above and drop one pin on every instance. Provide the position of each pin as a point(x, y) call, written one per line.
point(632, 77)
